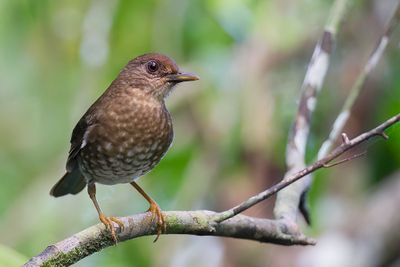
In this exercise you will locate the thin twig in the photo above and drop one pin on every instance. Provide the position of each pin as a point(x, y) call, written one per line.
point(330, 165)
point(345, 138)
point(378, 131)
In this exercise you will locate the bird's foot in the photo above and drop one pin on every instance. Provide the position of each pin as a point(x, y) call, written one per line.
point(157, 214)
point(108, 222)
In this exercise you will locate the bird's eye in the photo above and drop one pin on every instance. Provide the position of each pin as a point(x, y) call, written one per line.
point(152, 66)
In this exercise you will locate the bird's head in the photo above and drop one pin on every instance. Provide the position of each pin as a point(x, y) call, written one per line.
point(154, 73)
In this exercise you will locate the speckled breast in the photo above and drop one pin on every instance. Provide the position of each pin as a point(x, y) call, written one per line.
point(129, 142)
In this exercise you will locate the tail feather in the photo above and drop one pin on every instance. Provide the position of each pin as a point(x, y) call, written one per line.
point(71, 183)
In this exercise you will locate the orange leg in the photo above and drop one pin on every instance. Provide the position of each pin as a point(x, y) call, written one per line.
point(154, 209)
point(107, 221)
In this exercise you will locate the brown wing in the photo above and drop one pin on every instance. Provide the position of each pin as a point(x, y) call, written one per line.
point(77, 139)
point(73, 181)
point(81, 131)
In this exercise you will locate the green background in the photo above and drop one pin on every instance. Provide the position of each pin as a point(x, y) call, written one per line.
point(57, 57)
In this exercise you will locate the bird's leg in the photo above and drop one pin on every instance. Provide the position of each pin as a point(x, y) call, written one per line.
point(107, 221)
point(154, 209)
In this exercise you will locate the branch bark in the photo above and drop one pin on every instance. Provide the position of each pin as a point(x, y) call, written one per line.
point(96, 238)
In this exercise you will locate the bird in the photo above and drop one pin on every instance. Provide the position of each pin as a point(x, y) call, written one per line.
point(124, 134)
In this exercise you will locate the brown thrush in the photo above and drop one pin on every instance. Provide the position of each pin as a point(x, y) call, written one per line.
point(124, 134)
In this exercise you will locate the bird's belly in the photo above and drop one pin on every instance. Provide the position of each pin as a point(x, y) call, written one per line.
point(129, 142)
point(116, 162)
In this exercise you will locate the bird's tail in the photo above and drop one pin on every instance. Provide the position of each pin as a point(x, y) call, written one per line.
point(71, 183)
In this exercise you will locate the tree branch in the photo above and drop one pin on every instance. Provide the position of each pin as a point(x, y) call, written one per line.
point(287, 201)
point(345, 146)
point(372, 61)
point(96, 238)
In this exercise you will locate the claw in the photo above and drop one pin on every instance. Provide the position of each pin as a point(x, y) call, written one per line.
point(117, 221)
point(108, 222)
point(156, 213)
